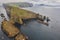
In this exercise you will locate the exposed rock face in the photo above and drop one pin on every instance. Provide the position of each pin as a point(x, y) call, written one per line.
point(12, 31)
point(9, 29)
point(21, 37)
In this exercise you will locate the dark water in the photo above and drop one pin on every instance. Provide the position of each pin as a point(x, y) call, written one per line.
point(38, 31)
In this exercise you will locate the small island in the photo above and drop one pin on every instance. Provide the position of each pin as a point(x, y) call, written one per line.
point(19, 15)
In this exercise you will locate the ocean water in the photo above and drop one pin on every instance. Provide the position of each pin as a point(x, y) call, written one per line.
point(38, 31)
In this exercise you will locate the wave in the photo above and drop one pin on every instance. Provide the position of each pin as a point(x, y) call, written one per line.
point(49, 3)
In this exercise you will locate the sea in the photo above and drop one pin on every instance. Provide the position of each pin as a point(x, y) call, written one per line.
point(35, 30)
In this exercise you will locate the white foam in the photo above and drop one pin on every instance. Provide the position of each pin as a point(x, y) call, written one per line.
point(3, 11)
